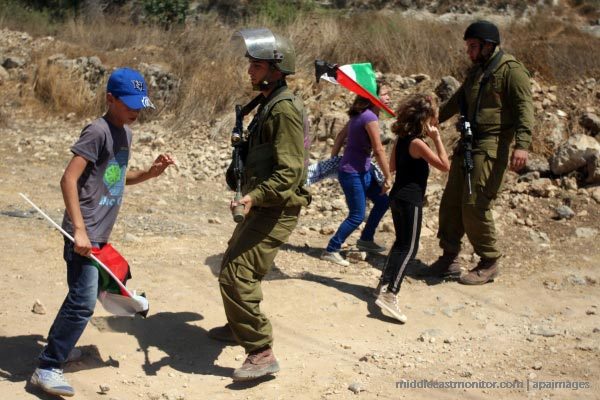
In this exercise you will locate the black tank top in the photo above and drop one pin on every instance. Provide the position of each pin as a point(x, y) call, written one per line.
point(411, 174)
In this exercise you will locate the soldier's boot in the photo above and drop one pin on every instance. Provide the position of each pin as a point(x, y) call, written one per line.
point(258, 364)
point(486, 271)
point(446, 266)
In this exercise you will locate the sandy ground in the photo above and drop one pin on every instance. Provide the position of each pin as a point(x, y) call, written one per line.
point(537, 325)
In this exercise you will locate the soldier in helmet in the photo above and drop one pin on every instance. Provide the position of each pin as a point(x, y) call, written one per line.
point(273, 194)
point(496, 99)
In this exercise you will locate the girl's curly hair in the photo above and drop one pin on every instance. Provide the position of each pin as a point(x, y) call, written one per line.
point(413, 113)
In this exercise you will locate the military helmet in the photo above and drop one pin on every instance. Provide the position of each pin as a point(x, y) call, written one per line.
point(483, 30)
point(262, 44)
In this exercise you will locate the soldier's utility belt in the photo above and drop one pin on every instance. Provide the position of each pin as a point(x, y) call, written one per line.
point(486, 137)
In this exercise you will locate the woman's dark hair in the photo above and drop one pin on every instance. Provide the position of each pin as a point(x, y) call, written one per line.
point(360, 103)
point(413, 113)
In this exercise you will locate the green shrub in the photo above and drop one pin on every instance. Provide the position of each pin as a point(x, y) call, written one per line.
point(166, 13)
point(281, 12)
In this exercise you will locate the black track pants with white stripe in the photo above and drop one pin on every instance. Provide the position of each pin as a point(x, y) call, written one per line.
point(407, 223)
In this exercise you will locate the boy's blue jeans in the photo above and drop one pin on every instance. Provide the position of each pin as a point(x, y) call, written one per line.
point(357, 188)
point(76, 310)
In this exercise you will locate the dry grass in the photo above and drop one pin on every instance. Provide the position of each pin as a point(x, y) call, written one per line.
point(213, 77)
point(557, 51)
point(65, 92)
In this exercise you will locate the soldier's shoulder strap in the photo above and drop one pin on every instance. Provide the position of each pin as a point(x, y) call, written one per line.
point(512, 63)
point(283, 95)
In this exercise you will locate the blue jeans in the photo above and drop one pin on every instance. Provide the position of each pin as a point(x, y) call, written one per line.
point(76, 310)
point(357, 188)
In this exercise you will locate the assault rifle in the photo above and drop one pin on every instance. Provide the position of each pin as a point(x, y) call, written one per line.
point(235, 172)
point(466, 142)
point(238, 143)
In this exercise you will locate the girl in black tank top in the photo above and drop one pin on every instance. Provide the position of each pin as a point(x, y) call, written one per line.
point(411, 157)
point(411, 173)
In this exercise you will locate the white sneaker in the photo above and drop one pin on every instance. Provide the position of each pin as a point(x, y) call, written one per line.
point(369, 246)
point(381, 288)
point(388, 302)
point(334, 257)
point(52, 381)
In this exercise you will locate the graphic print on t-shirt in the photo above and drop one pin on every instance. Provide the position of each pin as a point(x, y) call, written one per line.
point(114, 179)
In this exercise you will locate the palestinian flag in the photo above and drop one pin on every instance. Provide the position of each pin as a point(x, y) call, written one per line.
point(358, 78)
point(117, 264)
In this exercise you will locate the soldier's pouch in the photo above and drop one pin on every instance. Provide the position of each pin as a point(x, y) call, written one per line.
point(259, 164)
point(244, 281)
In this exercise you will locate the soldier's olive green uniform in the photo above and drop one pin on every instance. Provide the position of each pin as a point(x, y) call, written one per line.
point(505, 112)
point(274, 176)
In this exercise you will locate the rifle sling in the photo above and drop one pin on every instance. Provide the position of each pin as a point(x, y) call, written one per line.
point(484, 80)
point(252, 104)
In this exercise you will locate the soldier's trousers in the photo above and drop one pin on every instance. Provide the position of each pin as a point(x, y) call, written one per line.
point(461, 212)
point(249, 257)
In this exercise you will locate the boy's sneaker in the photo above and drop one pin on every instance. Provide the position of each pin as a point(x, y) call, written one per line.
point(388, 302)
point(257, 364)
point(369, 246)
point(52, 381)
point(334, 257)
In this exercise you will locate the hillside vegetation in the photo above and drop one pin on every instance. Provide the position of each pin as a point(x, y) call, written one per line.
point(194, 46)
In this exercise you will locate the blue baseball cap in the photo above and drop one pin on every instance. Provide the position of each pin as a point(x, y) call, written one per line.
point(129, 86)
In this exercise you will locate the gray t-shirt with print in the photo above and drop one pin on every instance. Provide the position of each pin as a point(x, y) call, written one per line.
point(100, 187)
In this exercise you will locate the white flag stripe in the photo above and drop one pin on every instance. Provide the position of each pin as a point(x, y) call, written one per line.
point(347, 69)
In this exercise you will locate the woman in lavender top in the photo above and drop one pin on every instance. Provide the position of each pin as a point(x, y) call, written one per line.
point(357, 179)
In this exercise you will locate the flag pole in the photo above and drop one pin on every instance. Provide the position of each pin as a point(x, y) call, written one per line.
point(93, 257)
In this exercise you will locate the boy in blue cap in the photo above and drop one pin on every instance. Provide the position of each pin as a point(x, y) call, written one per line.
point(92, 187)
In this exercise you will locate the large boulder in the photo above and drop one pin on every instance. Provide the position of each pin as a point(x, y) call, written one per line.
point(591, 122)
point(447, 86)
point(593, 169)
point(555, 131)
point(574, 154)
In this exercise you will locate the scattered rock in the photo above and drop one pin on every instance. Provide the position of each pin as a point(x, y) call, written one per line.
point(543, 331)
point(591, 122)
point(13, 62)
point(447, 86)
point(584, 232)
point(38, 307)
point(593, 169)
point(327, 230)
point(356, 387)
point(18, 213)
point(104, 389)
point(130, 237)
point(564, 212)
point(596, 194)
point(539, 237)
point(574, 154)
